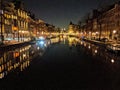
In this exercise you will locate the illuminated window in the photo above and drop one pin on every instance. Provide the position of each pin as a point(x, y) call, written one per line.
point(8, 16)
point(21, 14)
point(21, 24)
point(5, 15)
point(15, 17)
point(18, 12)
point(18, 23)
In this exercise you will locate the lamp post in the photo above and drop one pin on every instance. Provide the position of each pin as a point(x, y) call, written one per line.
point(1, 14)
point(114, 32)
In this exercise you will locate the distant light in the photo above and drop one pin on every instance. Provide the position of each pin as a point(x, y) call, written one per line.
point(114, 31)
point(81, 43)
point(42, 32)
point(9, 38)
point(85, 44)
point(1, 75)
point(20, 50)
point(89, 32)
point(96, 32)
point(1, 11)
point(48, 42)
point(41, 38)
point(81, 33)
point(41, 42)
point(45, 45)
point(112, 60)
point(89, 47)
point(96, 51)
point(38, 48)
point(24, 55)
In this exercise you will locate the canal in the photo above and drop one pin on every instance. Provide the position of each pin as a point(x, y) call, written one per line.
point(59, 63)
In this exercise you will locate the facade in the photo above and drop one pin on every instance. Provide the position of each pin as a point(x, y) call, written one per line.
point(19, 25)
point(73, 28)
point(104, 23)
point(110, 22)
point(38, 27)
point(21, 33)
point(7, 21)
point(14, 22)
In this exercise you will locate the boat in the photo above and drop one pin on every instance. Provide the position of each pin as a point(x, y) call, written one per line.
point(114, 48)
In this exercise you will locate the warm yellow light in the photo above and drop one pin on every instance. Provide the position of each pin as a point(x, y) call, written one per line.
point(89, 47)
point(89, 32)
point(84, 44)
point(114, 31)
point(15, 28)
point(96, 51)
point(81, 43)
point(96, 32)
point(112, 60)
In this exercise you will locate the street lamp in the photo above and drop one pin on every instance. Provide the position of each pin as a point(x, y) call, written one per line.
point(114, 31)
point(1, 14)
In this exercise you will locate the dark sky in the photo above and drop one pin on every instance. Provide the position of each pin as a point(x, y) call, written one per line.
point(61, 12)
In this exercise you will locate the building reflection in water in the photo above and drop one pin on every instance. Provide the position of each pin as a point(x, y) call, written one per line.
point(72, 41)
point(100, 53)
point(96, 52)
point(19, 59)
point(15, 59)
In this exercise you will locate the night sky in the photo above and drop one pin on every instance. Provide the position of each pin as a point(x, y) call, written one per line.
point(61, 12)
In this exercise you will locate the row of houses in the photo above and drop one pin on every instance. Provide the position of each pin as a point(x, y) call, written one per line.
point(103, 23)
point(99, 24)
point(16, 23)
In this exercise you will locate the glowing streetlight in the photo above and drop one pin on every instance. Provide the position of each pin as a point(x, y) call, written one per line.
point(114, 31)
point(89, 47)
point(96, 32)
point(96, 51)
point(112, 60)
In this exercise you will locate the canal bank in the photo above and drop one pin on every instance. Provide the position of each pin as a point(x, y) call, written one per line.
point(14, 45)
point(64, 65)
point(103, 44)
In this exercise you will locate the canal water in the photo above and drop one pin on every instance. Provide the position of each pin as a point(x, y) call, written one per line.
point(15, 61)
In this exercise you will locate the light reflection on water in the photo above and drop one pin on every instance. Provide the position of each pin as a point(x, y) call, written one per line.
point(19, 59)
point(94, 51)
point(101, 53)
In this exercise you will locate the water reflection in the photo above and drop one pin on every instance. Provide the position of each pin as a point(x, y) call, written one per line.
point(96, 52)
point(14, 59)
point(72, 41)
point(100, 53)
point(112, 60)
point(19, 59)
point(89, 47)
